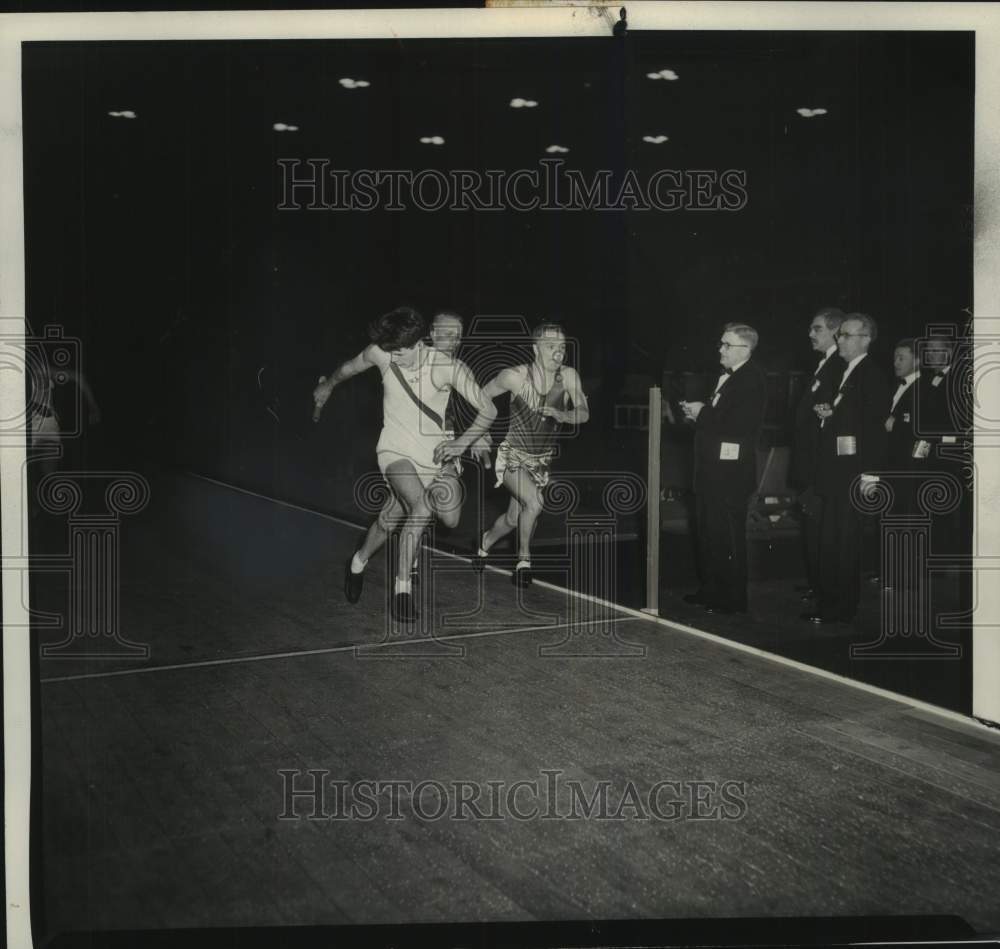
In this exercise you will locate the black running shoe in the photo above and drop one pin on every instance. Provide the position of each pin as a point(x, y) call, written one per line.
point(521, 577)
point(479, 560)
point(403, 609)
point(354, 583)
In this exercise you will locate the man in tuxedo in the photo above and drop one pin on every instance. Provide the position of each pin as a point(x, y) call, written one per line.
point(727, 430)
point(819, 389)
point(949, 436)
point(907, 452)
point(852, 447)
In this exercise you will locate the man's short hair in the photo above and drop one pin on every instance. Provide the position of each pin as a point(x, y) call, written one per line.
point(907, 343)
point(447, 315)
point(543, 329)
point(745, 332)
point(399, 329)
point(868, 325)
point(946, 341)
point(831, 316)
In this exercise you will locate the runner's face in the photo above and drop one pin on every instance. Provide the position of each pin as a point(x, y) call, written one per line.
point(446, 334)
point(550, 350)
point(406, 358)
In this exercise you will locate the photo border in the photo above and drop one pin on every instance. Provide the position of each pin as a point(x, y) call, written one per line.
point(501, 20)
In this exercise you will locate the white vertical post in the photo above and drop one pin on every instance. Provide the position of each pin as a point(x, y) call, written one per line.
point(653, 504)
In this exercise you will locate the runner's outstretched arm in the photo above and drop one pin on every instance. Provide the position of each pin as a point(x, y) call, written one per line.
point(370, 356)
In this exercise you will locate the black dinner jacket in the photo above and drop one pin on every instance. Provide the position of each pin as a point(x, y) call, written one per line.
point(861, 412)
point(903, 437)
point(937, 421)
point(936, 415)
point(822, 387)
point(737, 418)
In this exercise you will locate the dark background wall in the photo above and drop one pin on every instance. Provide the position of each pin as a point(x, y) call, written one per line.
point(200, 306)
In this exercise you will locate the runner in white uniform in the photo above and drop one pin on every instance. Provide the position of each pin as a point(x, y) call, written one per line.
point(408, 433)
point(447, 495)
point(414, 447)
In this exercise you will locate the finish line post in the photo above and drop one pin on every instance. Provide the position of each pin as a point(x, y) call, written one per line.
point(653, 504)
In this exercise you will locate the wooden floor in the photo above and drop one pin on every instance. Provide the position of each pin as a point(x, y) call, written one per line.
point(162, 793)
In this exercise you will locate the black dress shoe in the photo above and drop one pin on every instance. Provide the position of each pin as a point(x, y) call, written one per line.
point(810, 594)
point(696, 599)
point(354, 583)
point(818, 619)
point(403, 608)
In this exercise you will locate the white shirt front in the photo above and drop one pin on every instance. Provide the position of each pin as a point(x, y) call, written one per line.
point(722, 380)
point(847, 372)
point(726, 375)
point(850, 368)
point(939, 375)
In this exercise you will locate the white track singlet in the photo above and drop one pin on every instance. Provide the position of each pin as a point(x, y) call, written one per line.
point(406, 431)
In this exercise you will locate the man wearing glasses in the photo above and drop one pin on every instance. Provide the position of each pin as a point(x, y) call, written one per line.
point(727, 430)
point(853, 446)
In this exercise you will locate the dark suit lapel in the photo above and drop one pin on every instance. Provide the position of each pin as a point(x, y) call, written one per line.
point(910, 400)
point(824, 384)
point(721, 393)
point(832, 371)
point(730, 386)
point(853, 389)
point(847, 390)
point(905, 404)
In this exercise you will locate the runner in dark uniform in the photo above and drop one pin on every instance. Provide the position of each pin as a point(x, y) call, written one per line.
point(544, 394)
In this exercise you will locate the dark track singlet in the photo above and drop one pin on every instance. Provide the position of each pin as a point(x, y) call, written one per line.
point(529, 430)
